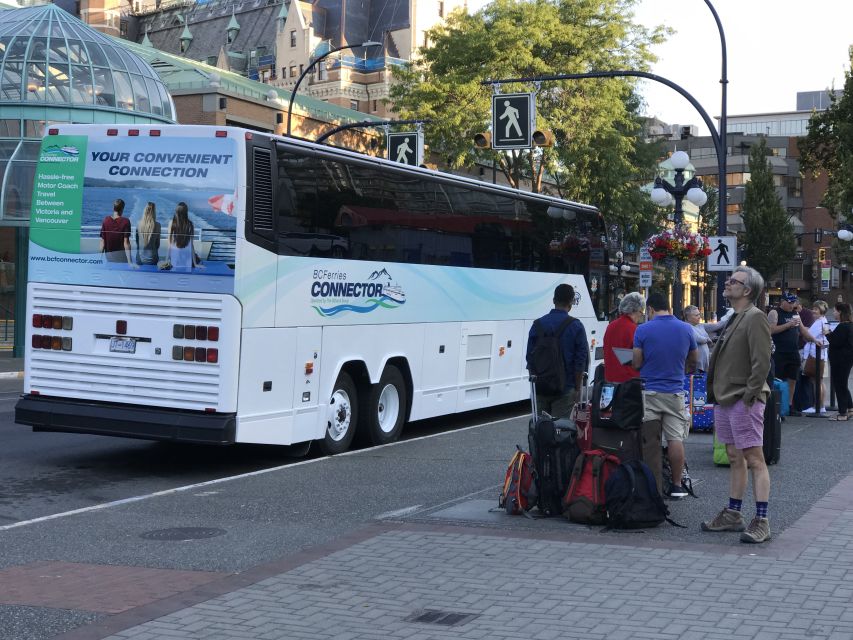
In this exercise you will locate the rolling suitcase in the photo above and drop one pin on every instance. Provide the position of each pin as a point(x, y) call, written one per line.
point(772, 428)
point(617, 428)
point(553, 447)
point(785, 404)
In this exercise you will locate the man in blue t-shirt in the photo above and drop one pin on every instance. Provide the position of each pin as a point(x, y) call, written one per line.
point(664, 348)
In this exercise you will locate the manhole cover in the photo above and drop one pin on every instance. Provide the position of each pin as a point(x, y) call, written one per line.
point(183, 533)
point(444, 618)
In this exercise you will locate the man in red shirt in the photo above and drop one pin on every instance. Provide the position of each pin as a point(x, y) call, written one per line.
point(115, 235)
point(620, 335)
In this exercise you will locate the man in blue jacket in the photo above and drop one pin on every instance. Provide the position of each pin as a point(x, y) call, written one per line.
point(574, 349)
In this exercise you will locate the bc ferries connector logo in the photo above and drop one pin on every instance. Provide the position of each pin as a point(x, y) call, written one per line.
point(332, 292)
point(55, 153)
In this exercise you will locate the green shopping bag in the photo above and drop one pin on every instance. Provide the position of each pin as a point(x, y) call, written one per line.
point(721, 458)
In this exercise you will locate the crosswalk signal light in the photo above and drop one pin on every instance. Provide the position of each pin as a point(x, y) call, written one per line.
point(821, 254)
point(543, 138)
point(483, 140)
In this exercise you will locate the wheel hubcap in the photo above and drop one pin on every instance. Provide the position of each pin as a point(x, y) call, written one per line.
point(388, 409)
point(340, 415)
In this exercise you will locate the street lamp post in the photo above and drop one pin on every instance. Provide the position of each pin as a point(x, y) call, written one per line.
point(307, 70)
point(618, 271)
point(664, 194)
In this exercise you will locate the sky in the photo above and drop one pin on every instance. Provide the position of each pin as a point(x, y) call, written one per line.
point(775, 49)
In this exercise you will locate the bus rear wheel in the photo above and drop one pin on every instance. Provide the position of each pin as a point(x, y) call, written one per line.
point(385, 410)
point(342, 417)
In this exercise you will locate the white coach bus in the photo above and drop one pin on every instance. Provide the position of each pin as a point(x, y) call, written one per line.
point(327, 294)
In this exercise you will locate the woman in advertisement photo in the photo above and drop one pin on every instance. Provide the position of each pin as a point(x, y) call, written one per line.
point(181, 255)
point(148, 237)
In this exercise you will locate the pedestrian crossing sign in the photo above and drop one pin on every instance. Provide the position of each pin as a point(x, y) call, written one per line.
point(406, 147)
point(513, 115)
point(723, 255)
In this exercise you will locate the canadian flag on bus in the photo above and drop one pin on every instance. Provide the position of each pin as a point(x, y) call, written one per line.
point(223, 203)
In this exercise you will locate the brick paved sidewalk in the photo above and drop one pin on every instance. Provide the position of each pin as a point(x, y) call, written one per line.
point(416, 581)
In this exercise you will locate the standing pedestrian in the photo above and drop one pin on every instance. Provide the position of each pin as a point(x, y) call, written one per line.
point(115, 235)
point(664, 348)
point(785, 328)
point(737, 385)
point(574, 351)
point(620, 335)
point(703, 340)
point(818, 331)
point(841, 360)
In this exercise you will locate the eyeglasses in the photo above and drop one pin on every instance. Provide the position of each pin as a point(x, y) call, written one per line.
point(734, 281)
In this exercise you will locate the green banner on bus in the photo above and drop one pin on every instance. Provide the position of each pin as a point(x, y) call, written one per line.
point(58, 193)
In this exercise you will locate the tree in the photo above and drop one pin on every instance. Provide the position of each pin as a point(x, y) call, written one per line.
point(828, 148)
point(769, 235)
point(599, 156)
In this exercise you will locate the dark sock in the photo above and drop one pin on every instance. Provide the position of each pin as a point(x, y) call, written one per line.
point(760, 509)
point(735, 505)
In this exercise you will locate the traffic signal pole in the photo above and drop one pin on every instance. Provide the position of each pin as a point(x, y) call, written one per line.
point(718, 141)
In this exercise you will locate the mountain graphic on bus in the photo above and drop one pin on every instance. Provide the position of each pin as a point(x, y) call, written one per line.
point(67, 150)
point(362, 297)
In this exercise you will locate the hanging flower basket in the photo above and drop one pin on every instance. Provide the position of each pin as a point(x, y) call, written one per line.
point(678, 245)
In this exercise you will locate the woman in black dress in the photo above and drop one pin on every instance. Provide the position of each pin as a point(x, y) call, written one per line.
point(841, 360)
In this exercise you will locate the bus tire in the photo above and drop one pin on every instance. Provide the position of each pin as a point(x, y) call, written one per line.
point(342, 418)
point(385, 409)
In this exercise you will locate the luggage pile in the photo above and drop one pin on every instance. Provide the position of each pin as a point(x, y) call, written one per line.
point(600, 467)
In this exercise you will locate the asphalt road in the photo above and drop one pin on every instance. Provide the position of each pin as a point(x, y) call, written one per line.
point(449, 470)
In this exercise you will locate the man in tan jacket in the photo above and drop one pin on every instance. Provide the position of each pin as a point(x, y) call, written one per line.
point(737, 385)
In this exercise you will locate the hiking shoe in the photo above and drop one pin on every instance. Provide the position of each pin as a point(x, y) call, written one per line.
point(757, 531)
point(726, 520)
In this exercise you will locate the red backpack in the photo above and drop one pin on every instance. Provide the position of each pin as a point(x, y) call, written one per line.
point(519, 491)
point(585, 499)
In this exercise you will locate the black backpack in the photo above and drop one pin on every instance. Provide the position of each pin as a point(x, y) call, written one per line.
point(554, 448)
point(545, 360)
point(633, 501)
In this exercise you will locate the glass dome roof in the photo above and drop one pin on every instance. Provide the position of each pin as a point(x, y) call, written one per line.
point(50, 58)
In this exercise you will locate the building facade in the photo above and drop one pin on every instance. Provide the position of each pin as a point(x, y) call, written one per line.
point(274, 42)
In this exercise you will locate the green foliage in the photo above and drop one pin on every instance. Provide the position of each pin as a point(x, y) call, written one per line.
point(599, 157)
point(828, 148)
point(769, 234)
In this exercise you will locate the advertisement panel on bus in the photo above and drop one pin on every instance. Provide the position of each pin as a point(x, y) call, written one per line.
point(79, 178)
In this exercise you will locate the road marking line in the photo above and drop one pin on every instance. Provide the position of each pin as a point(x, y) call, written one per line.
point(399, 512)
point(208, 483)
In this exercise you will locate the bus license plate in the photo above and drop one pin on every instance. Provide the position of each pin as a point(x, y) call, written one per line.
point(123, 345)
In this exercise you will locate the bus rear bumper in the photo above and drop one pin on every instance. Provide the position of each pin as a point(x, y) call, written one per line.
point(127, 421)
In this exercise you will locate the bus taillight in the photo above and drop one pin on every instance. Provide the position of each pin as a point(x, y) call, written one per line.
point(154, 132)
point(213, 334)
point(56, 343)
point(121, 327)
point(221, 134)
point(133, 132)
point(57, 322)
point(36, 341)
point(213, 356)
point(200, 354)
point(37, 320)
point(46, 322)
point(112, 132)
point(66, 344)
point(201, 333)
point(53, 132)
point(189, 354)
